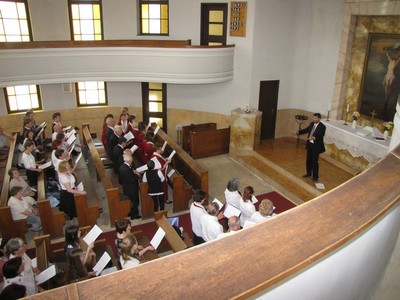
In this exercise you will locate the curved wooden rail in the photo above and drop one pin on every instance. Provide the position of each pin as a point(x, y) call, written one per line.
point(274, 249)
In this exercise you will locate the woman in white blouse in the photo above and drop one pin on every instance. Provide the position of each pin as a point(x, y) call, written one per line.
point(246, 205)
point(232, 194)
point(30, 163)
point(17, 180)
point(68, 190)
point(130, 252)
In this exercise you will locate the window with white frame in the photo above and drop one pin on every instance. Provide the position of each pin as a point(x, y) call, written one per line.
point(22, 98)
point(85, 19)
point(91, 93)
point(14, 21)
point(154, 17)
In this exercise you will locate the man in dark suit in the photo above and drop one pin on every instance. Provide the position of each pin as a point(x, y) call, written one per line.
point(112, 141)
point(314, 146)
point(118, 151)
point(130, 185)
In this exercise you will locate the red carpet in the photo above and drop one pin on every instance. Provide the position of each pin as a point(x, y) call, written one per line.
point(149, 229)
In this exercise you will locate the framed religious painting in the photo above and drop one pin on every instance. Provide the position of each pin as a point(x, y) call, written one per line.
point(380, 85)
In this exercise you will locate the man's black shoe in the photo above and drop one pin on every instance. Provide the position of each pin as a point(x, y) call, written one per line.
point(306, 175)
point(136, 217)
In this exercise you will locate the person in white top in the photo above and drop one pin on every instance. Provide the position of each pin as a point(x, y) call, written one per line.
point(210, 227)
point(16, 247)
point(197, 209)
point(265, 211)
point(68, 190)
point(17, 180)
point(30, 163)
point(246, 205)
point(22, 209)
point(130, 253)
point(234, 227)
point(232, 195)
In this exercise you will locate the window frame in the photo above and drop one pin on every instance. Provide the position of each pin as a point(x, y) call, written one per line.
point(78, 104)
point(28, 19)
point(145, 105)
point(140, 18)
point(9, 111)
point(71, 23)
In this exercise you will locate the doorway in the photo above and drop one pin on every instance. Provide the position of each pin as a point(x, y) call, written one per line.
point(213, 24)
point(268, 103)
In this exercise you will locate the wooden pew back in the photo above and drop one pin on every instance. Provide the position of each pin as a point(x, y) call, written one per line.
point(42, 244)
point(173, 238)
point(6, 180)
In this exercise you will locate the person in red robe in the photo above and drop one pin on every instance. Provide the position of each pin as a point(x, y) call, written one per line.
point(161, 163)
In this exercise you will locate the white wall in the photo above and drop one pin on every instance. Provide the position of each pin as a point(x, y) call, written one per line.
point(352, 272)
point(294, 41)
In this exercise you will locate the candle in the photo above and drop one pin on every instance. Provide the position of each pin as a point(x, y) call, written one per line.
point(348, 108)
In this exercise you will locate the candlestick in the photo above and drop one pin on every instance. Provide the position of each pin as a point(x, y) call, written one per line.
point(327, 116)
point(348, 108)
point(345, 120)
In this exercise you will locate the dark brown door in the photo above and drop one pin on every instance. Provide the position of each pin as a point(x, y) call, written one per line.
point(268, 103)
point(213, 24)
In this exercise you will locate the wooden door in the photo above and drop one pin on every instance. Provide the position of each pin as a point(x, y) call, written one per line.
point(213, 24)
point(268, 103)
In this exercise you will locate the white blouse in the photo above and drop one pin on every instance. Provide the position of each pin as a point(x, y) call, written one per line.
point(247, 208)
point(28, 160)
point(65, 178)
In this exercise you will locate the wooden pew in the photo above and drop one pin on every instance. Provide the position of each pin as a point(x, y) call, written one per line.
point(192, 172)
point(182, 191)
point(194, 127)
point(117, 208)
point(174, 240)
point(53, 220)
point(146, 202)
point(209, 142)
point(42, 244)
point(10, 228)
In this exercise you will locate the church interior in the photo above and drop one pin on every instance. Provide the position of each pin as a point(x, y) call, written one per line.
point(227, 86)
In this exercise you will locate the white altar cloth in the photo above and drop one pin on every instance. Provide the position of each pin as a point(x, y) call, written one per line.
point(345, 137)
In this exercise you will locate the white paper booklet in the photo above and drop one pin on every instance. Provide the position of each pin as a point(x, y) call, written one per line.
point(248, 223)
point(34, 262)
point(231, 211)
point(171, 155)
point(163, 146)
point(71, 139)
point(80, 187)
point(134, 148)
point(72, 149)
point(40, 131)
point(156, 130)
point(102, 263)
point(320, 186)
point(157, 238)
point(46, 274)
point(254, 199)
point(78, 158)
point(45, 165)
point(170, 173)
point(68, 134)
point(92, 235)
point(142, 168)
point(129, 136)
point(67, 128)
point(109, 270)
point(220, 205)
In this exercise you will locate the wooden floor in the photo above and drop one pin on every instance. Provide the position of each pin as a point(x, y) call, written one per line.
point(282, 162)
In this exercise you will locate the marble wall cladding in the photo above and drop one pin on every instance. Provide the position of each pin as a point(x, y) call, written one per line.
point(245, 130)
point(356, 163)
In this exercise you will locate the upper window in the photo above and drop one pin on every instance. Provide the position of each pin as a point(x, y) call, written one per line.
point(154, 17)
point(91, 93)
point(22, 98)
point(14, 21)
point(85, 19)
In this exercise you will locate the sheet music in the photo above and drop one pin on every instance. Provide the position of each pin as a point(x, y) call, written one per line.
point(109, 271)
point(171, 155)
point(67, 128)
point(170, 173)
point(220, 205)
point(78, 158)
point(163, 146)
point(40, 132)
point(71, 139)
point(156, 130)
point(142, 168)
point(134, 148)
point(92, 235)
point(42, 125)
point(157, 238)
point(248, 223)
point(254, 199)
point(102, 263)
point(68, 134)
point(34, 262)
point(72, 149)
point(45, 165)
point(231, 211)
point(129, 136)
point(80, 187)
point(46, 274)
point(148, 126)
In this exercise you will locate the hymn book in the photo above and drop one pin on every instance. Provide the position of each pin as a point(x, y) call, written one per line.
point(230, 211)
point(71, 139)
point(163, 146)
point(129, 136)
point(156, 130)
point(142, 168)
point(171, 155)
point(80, 187)
point(220, 205)
point(157, 238)
point(46, 274)
point(78, 158)
point(45, 165)
point(102, 263)
point(170, 173)
point(254, 199)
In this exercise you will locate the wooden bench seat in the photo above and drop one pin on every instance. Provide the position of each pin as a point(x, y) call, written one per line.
point(117, 208)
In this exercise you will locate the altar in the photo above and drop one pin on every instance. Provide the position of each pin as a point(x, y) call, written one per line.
point(344, 137)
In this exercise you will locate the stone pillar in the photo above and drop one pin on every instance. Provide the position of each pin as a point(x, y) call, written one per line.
point(245, 130)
